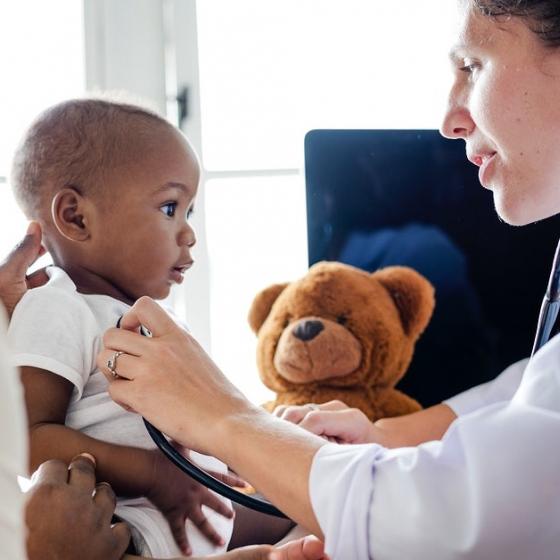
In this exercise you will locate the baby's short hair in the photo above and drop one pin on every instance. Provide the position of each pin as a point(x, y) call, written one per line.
point(77, 143)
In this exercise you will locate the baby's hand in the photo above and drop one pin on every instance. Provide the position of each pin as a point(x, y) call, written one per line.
point(179, 498)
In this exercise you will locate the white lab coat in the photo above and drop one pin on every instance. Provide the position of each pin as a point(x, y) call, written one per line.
point(489, 490)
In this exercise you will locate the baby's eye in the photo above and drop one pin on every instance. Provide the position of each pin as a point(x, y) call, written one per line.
point(169, 209)
point(190, 212)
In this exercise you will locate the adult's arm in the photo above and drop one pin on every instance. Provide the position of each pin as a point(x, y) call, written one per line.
point(13, 280)
point(487, 490)
point(336, 421)
point(171, 381)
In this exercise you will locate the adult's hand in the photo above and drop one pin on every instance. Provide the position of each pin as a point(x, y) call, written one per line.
point(171, 381)
point(334, 421)
point(169, 378)
point(68, 516)
point(307, 548)
point(13, 280)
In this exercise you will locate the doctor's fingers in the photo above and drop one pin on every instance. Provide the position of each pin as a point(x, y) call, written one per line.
point(124, 366)
point(307, 548)
point(296, 413)
point(130, 342)
point(148, 313)
point(346, 426)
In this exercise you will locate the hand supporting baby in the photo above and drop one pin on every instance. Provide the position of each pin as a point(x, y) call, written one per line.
point(179, 498)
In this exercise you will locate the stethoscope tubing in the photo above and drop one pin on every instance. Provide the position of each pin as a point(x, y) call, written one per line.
point(200, 475)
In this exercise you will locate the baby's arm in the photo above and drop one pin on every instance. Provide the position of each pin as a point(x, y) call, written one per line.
point(132, 472)
point(129, 470)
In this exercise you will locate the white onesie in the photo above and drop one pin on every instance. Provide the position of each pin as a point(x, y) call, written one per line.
point(55, 328)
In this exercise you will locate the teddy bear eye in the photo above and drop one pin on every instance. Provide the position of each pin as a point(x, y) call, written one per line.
point(286, 322)
point(342, 319)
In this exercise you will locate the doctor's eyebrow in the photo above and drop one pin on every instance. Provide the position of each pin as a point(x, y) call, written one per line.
point(456, 54)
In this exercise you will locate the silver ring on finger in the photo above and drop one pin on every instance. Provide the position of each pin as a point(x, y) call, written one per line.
point(112, 364)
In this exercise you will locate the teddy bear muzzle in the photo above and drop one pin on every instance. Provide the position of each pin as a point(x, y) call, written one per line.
point(315, 348)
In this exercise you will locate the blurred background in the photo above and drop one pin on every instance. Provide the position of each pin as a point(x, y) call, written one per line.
point(245, 80)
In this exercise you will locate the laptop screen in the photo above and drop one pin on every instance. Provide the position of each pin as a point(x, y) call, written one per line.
point(377, 198)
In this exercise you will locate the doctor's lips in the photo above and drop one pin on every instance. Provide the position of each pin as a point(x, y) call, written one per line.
point(482, 160)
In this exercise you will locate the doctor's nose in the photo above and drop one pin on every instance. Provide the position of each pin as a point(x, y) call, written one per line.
point(457, 123)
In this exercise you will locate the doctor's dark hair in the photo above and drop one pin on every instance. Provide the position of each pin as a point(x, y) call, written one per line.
point(78, 144)
point(543, 16)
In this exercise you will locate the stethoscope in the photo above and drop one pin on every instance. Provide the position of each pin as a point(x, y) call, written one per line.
point(550, 305)
point(201, 475)
point(547, 319)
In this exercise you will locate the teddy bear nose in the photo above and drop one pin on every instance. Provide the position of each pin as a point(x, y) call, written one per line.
point(308, 330)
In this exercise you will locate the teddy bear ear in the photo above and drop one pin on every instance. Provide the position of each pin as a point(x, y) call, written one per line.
point(260, 308)
point(413, 295)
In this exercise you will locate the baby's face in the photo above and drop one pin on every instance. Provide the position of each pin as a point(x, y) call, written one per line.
point(143, 238)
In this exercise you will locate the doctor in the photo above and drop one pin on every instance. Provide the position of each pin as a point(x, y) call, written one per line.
point(490, 487)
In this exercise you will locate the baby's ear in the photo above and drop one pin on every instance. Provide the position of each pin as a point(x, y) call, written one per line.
point(262, 304)
point(68, 212)
point(413, 295)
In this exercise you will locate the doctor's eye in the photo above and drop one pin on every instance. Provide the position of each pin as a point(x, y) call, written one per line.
point(469, 67)
point(169, 209)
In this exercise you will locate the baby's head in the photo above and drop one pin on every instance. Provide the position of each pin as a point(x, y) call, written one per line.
point(112, 186)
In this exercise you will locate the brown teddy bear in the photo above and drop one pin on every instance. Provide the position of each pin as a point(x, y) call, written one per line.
point(342, 333)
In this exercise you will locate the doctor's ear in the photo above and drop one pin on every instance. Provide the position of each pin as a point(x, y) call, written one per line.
point(69, 212)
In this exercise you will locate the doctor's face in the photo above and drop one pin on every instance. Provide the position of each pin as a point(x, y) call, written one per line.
point(505, 104)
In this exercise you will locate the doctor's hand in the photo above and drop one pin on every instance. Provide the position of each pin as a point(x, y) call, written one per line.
point(68, 516)
point(169, 379)
point(13, 280)
point(334, 421)
point(337, 422)
point(307, 548)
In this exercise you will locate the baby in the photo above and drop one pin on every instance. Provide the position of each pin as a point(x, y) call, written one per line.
point(113, 186)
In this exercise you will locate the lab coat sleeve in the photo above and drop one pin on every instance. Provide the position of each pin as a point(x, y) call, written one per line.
point(502, 388)
point(489, 489)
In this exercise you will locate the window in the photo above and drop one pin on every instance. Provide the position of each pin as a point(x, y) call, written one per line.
point(42, 61)
point(269, 72)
